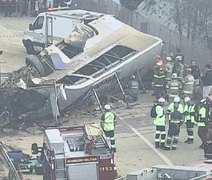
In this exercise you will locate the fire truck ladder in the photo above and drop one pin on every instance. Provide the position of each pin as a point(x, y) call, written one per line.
point(13, 174)
point(94, 132)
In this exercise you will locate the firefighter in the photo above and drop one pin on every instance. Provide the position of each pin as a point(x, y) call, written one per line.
point(173, 88)
point(175, 112)
point(159, 80)
point(108, 122)
point(202, 117)
point(188, 84)
point(179, 67)
point(168, 68)
point(189, 116)
point(159, 122)
point(133, 88)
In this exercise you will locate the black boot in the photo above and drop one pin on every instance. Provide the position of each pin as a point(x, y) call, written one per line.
point(174, 148)
point(190, 141)
point(186, 141)
point(157, 145)
point(166, 148)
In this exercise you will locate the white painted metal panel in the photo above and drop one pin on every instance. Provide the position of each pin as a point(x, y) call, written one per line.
point(83, 171)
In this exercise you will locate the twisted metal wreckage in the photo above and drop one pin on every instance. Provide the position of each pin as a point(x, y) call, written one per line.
point(94, 54)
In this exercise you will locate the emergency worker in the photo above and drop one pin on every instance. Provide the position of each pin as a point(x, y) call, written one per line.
point(168, 68)
point(179, 67)
point(108, 122)
point(175, 113)
point(133, 88)
point(173, 88)
point(189, 116)
point(159, 122)
point(159, 80)
point(202, 117)
point(188, 84)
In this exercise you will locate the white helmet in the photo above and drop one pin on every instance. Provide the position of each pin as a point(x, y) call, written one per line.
point(179, 58)
point(162, 100)
point(176, 99)
point(203, 101)
point(168, 58)
point(187, 99)
point(174, 75)
point(133, 77)
point(107, 107)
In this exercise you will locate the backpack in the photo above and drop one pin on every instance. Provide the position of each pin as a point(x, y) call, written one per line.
point(153, 113)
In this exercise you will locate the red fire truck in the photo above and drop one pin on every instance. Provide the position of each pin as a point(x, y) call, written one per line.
point(76, 153)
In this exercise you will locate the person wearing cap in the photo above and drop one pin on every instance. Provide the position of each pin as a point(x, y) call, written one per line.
point(189, 116)
point(159, 80)
point(175, 113)
point(207, 81)
point(202, 118)
point(133, 88)
point(188, 84)
point(173, 88)
point(168, 68)
point(159, 122)
point(179, 67)
point(108, 123)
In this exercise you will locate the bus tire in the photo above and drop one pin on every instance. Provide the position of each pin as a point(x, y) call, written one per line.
point(34, 63)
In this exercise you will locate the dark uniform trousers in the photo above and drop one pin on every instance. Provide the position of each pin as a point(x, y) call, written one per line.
point(173, 135)
point(160, 136)
point(190, 130)
point(111, 137)
point(202, 133)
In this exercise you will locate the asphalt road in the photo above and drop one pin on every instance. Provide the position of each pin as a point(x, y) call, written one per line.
point(135, 130)
point(135, 140)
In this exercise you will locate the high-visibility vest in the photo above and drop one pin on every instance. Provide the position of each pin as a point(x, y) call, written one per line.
point(186, 112)
point(134, 85)
point(160, 118)
point(173, 87)
point(109, 121)
point(202, 116)
point(172, 109)
point(192, 113)
point(188, 87)
point(159, 78)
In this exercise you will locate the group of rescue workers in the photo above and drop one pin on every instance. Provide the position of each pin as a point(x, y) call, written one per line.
point(175, 82)
point(179, 112)
point(173, 78)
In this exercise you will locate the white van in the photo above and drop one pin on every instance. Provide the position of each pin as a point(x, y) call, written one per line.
point(51, 27)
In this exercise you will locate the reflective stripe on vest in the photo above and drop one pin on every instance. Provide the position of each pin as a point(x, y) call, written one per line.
point(109, 121)
point(134, 85)
point(160, 119)
point(192, 110)
point(202, 117)
point(186, 110)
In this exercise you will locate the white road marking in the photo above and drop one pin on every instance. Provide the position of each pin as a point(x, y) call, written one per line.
point(161, 155)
